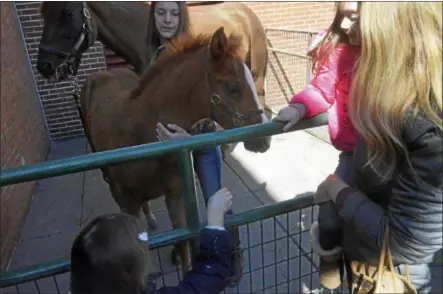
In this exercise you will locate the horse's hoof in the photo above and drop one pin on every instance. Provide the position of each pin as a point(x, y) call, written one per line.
point(175, 258)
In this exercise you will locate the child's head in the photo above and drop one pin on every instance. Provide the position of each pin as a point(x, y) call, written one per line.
point(345, 29)
point(110, 256)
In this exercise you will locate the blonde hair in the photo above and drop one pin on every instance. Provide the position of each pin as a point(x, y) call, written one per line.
point(400, 69)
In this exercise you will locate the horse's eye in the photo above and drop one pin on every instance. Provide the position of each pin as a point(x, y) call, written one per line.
point(69, 13)
point(234, 90)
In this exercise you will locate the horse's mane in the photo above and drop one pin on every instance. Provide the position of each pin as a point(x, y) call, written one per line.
point(179, 47)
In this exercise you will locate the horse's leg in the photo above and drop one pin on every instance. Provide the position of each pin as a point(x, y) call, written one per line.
point(127, 203)
point(151, 219)
point(176, 210)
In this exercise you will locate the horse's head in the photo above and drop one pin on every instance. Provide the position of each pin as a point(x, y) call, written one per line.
point(68, 32)
point(233, 96)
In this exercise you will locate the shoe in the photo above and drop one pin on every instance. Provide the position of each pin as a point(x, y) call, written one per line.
point(330, 261)
point(330, 276)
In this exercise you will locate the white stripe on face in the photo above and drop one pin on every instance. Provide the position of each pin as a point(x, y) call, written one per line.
point(250, 80)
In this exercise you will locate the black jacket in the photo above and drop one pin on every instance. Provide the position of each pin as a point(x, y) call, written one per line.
point(411, 203)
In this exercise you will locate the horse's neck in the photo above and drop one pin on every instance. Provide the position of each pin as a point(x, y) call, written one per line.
point(183, 103)
point(121, 27)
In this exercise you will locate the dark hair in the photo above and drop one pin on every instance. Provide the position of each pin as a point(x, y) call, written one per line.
point(108, 257)
point(332, 38)
point(153, 37)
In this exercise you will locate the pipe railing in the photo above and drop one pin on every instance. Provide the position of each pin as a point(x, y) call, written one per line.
point(128, 154)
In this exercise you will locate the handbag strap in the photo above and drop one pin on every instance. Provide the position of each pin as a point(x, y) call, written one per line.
point(385, 254)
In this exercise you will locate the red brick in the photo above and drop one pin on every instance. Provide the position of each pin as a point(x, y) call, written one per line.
point(23, 132)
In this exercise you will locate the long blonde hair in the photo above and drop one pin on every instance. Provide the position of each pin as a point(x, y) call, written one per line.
point(400, 69)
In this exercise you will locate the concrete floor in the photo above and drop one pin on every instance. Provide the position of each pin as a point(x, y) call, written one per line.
point(296, 164)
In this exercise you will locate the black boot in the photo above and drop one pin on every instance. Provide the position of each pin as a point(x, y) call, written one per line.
point(237, 260)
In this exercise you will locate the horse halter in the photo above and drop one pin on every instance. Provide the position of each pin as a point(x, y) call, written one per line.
point(69, 64)
point(238, 118)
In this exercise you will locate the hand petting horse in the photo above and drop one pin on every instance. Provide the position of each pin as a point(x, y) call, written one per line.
point(197, 77)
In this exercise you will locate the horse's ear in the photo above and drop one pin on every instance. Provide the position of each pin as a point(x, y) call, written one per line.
point(219, 43)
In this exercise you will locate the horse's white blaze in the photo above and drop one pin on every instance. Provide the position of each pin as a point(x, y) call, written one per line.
point(250, 80)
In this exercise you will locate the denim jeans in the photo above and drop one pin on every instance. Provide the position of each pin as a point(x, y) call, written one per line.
point(208, 165)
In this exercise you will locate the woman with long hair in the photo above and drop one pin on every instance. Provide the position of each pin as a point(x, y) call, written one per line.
point(169, 20)
point(393, 207)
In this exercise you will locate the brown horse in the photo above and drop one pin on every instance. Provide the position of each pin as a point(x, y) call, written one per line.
point(70, 28)
point(198, 77)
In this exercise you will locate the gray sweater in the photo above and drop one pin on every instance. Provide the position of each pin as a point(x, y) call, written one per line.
point(411, 203)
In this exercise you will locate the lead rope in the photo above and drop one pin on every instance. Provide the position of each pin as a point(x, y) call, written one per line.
point(76, 94)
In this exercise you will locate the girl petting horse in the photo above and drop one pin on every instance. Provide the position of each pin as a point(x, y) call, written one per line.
point(169, 20)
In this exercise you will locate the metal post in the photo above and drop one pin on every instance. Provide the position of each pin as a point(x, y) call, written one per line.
point(190, 195)
point(309, 65)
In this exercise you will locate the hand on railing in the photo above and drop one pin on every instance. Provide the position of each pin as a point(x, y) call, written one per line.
point(290, 115)
point(164, 133)
point(218, 205)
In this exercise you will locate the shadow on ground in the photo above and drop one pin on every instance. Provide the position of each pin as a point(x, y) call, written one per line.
point(278, 257)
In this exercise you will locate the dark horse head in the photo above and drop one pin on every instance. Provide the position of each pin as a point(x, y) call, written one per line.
point(69, 30)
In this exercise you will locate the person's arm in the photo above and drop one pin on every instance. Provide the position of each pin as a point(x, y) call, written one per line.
point(319, 96)
point(211, 267)
point(414, 213)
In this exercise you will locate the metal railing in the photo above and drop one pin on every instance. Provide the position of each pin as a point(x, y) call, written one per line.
point(288, 63)
point(184, 147)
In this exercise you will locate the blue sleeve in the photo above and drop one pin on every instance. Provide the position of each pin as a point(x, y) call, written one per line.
point(414, 213)
point(211, 267)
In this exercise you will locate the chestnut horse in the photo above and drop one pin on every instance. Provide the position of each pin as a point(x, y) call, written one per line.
point(70, 28)
point(198, 77)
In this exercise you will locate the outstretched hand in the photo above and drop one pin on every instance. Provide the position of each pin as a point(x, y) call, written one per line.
point(164, 133)
point(289, 115)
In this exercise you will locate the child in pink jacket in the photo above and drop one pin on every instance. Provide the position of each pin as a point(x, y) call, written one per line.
point(328, 92)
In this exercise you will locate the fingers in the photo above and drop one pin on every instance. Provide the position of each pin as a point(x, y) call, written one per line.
point(280, 118)
point(289, 125)
point(162, 133)
point(176, 128)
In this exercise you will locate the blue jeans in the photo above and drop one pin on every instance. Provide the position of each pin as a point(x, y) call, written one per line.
point(208, 165)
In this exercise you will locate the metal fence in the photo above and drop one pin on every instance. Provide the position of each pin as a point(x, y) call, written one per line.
point(289, 69)
point(281, 225)
point(278, 257)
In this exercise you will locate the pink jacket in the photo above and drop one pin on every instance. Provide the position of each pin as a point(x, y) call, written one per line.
point(329, 90)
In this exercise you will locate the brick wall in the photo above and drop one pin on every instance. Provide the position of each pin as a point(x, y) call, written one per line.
point(58, 103)
point(24, 137)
